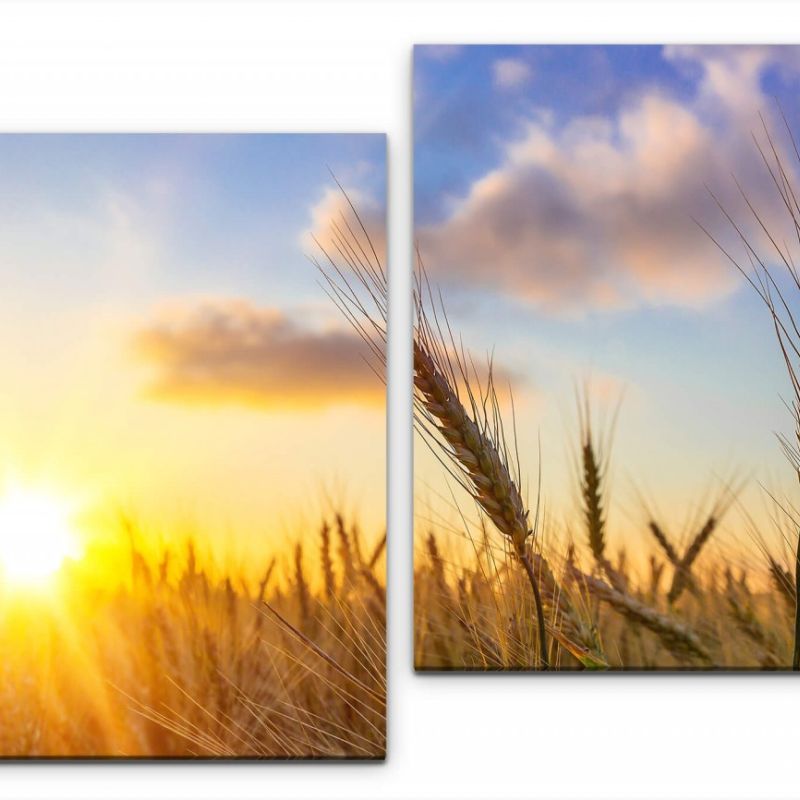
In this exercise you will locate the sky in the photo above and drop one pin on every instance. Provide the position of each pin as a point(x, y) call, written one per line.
point(556, 201)
point(166, 349)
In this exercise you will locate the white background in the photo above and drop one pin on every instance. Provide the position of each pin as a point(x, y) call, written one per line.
point(346, 66)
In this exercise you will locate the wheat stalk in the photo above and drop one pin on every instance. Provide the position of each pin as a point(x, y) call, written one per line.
point(326, 560)
point(301, 586)
point(682, 577)
point(676, 636)
point(345, 550)
point(592, 489)
point(592, 501)
point(377, 552)
point(661, 537)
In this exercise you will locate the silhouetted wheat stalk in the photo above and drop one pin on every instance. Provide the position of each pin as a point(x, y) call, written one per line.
point(593, 468)
point(681, 578)
point(662, 539)
point(326, 560)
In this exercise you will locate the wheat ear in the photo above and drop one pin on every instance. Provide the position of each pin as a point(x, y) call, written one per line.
point(327, 561)
point(489, 480)
point(593, 468)
point(682, 576)
point(661, 537)
point(592, 502)
point(483, 470)
point(300, 582)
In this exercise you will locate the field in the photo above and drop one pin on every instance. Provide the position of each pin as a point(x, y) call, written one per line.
point(173, 659)
point(687, 609)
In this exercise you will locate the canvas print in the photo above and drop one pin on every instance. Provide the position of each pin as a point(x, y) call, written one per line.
point(607, 406)
point(192, 526)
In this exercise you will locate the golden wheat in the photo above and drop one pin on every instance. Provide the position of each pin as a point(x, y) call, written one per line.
point(173, 662)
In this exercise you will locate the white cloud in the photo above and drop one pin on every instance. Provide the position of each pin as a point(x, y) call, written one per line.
point(333, 211)
point(598, 213)
point(510, 73)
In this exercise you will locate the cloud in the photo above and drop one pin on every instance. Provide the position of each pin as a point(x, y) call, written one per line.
point(597, 213)
point(332, 216)
point(231, 352)
point(511, 73)
point(730, 81)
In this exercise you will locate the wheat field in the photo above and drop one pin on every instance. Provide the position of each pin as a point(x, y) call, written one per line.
point(173, 660)
point(685, 609)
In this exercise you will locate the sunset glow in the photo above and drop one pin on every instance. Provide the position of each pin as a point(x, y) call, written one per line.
point(36, 535)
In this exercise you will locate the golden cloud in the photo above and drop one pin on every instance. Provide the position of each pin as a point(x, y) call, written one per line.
point(231, 352)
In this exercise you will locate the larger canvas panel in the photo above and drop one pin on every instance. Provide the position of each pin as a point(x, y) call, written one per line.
point(605, 348)
point(192, 527)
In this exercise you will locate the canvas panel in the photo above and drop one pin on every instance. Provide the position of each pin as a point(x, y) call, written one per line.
point(192, 525)
point(605, 347)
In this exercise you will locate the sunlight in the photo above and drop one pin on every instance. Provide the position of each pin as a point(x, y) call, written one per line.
point(36, 535)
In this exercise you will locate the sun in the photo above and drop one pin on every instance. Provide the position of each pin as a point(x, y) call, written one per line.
point(36, 535)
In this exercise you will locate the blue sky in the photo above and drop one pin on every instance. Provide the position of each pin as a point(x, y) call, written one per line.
point(556, 190)
point(228, 210)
